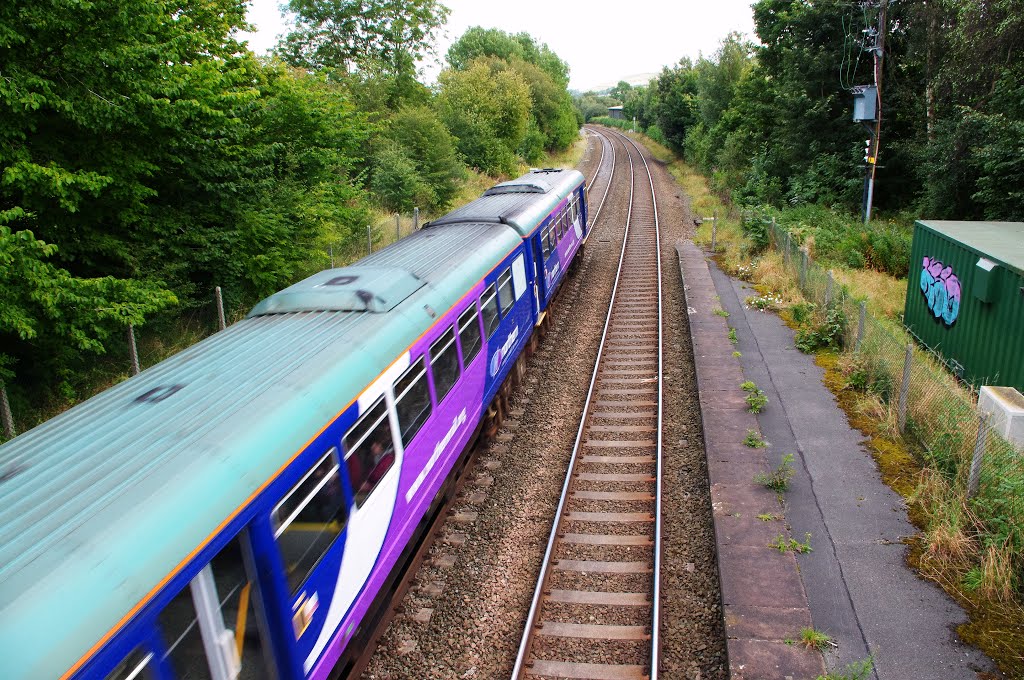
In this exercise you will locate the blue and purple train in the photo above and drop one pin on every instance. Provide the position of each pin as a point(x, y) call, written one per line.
point(238, 510)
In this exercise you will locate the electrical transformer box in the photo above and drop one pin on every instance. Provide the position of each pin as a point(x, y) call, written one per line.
point(865, 103)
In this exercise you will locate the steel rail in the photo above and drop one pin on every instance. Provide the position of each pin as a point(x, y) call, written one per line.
point(531, 624)
point(656, 594)
point(611, 175)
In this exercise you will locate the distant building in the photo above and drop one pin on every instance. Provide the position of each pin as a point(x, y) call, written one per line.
point(616, 112)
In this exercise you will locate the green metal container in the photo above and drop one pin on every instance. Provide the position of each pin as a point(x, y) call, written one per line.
point(965, 298)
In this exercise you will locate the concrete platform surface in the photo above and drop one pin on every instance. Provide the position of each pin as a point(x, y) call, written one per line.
point(858, 587)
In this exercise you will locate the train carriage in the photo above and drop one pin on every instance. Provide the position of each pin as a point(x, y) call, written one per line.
point(239, 509)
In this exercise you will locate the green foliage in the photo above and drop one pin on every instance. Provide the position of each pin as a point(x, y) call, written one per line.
point(782, 545)
point(754, 440)
point(756, 401)
point(748, 386)
point(829, 334)
point(61, 313)
point(416, 135)
point(732, 336)
point(858, 670)
point(487, 112)
point(492, 42)
point(720, 312)
point(337, 34)
point(814, 639)
point(778, 479)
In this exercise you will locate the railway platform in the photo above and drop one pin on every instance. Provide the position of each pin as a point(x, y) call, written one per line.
point(854, 584)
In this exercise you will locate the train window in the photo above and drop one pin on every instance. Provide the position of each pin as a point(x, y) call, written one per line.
point(562, 220)
point(309, 518)
point(412, 400)
point(505, 291)
point(552, 241)
point(222, 592)
point(489, 307)
point(559, 226)
point(469, 335)
point(135, 666)
point(370, 451)
point(185, 650)
point(444, 364)
point(545, 245)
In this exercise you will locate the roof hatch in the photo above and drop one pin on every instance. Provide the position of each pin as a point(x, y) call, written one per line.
point(348, 289)
point(534, 182)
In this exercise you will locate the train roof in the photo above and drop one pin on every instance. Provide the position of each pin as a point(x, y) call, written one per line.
point(521, 203)
point(100, 503)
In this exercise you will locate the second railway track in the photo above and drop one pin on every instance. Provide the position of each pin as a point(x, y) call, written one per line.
point(595, 611)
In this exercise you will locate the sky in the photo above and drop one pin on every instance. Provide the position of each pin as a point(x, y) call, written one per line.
point(597, 38)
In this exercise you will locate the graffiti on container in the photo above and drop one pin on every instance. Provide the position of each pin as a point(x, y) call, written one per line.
point(941, 288)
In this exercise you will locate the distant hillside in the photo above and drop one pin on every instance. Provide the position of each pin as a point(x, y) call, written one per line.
point(636, 79)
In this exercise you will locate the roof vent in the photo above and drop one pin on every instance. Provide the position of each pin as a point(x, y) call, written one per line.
point(348, 289)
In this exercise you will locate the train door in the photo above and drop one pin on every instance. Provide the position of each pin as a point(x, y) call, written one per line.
point(372, 462)
point(214, 629)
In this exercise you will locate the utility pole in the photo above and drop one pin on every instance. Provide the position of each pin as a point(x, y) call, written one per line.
point(878, 48)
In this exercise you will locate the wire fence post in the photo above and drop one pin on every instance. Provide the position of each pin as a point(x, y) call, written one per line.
point(901, 408)
point(714, 230)
point(415, 219)
point(369, 239)
point(979, 452)
point(220, 308)
point(398, 226)
point(132, 349)
point(861, 323)
point(803, 270)
point(787, 245)
point(828, 289)
point(5, 413)
point(330, 249)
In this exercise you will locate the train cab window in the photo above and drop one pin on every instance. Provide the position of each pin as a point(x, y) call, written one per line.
point(489, 308)
point(505, 291)
point(310, 518)
point(444, 364)
point(575, 208)
point(369, 451)
point(135, 666)
point(469, 335)
point(412, 400)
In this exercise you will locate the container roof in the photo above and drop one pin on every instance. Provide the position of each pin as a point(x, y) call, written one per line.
point(1002, 242)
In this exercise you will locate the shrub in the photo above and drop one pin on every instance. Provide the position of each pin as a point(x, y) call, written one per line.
point(778, 479)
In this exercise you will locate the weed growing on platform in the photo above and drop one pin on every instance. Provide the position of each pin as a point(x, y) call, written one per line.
point(756, 401)
point(858, 670)
point(721, 312)
point(782, 545)
point(814, 639)
point(732, 336)
point(748, 386)
point(737, 354)
point(768, 517)
point(778, 479)
point(754, 440)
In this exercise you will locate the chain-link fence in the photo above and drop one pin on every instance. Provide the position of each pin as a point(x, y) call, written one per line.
point(923, 401)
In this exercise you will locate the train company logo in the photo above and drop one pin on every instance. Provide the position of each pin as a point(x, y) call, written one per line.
point(941, 288)
point(503, 351)
point(439, 448)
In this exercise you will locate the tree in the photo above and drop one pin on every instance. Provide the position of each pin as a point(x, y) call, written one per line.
point(337, 34)
point(491, 42)
point(430, 149)
point(487, 112)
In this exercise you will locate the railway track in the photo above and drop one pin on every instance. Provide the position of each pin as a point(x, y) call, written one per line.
point(595, 610)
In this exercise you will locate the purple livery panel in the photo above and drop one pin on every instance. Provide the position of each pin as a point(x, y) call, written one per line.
point(426, 465)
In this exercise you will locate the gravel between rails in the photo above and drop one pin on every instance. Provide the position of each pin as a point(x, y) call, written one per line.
point(465, 613)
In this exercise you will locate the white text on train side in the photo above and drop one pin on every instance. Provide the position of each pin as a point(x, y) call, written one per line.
point(457, 422)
